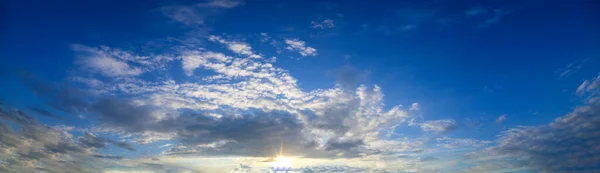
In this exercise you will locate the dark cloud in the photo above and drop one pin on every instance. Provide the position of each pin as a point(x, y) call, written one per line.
point(343, 145)
point(569, 144)
point(256, 134)
point(37, 146)
point(62, 98)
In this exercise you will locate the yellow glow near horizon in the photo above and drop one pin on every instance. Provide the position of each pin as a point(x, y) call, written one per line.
point(282, 162)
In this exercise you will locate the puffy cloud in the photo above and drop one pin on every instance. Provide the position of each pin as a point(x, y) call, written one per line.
point(325, 24)
point(438, 126)
point(193, 60)
point(236, 47)
point(415, 107)
point(300, 46)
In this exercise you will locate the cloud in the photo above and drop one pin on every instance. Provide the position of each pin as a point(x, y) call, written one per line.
point(415, 107)
point(501, 118)
point(300, 46)
point(498, 14)
point(107, 157)
point(237, 47)
point(451, 143)
point(196, 14)
point(220, 3)
point(193, 60)
point(115, 62)
point(568, 144)
point(571, 69)
point(325, 24)
point(590, 89)
point(37, 147)
point(475, 11)
point(166, 145)
point(91, 140)
point(438, 126)
point(98, 61)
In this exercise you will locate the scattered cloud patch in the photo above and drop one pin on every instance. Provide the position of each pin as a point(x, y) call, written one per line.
point(240, 48)
point(501, 118)
point(300, 47)
point(438, 126)
point(590, 89)
point(325, 24)
point(452, 143)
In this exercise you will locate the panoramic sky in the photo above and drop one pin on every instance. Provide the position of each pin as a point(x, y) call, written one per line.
point(227, 86)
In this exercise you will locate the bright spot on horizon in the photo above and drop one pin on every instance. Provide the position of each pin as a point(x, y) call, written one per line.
point(281, 162)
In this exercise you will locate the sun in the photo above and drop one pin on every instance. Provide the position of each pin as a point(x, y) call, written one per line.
point(282, 162)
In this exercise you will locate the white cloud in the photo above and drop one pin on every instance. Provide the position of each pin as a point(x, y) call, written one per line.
point(415, 107)
point(108, 63)
point(236, 47)
point(300, 46)
point(325, 24)
point(194, 59)
point(166, 145)
point(438, 126)
point(571, 69)
point(451, 143)
point(501, 118)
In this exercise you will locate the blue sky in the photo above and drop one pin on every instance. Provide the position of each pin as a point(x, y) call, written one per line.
point(346, 86)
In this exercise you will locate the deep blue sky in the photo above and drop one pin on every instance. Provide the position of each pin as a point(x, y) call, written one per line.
point(470, 62)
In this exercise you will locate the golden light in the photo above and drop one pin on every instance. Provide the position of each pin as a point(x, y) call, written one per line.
point(281, 162)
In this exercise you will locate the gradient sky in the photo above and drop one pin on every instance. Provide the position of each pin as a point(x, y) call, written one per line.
point(343, 86)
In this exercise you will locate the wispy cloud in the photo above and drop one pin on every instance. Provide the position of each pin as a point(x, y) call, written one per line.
point(501, 118)
point(497, 16)
point(475, 11)
point(571, 69)
point(196, 14)
point(325, 24)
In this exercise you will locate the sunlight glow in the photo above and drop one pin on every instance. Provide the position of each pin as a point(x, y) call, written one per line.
point(282, 162)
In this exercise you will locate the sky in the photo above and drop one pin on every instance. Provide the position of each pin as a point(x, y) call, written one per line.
point(231, 86)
